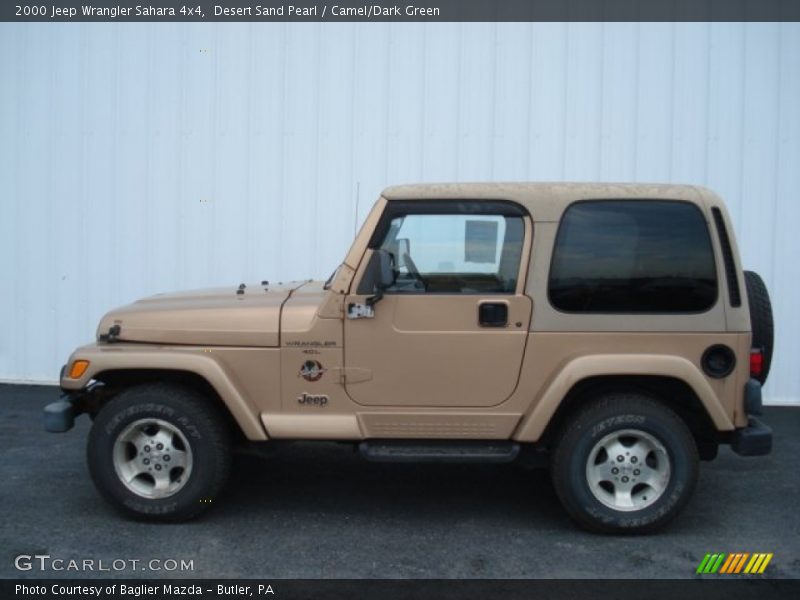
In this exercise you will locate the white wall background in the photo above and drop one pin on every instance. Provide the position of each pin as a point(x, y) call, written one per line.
point(138, 158)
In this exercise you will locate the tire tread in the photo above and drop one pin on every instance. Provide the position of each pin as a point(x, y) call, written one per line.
point(761, 320)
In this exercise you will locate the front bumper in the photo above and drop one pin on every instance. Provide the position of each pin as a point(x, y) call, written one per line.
point(753, 440)
point(60, 416)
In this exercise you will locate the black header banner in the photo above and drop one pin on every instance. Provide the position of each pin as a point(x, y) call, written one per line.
point(396, 11)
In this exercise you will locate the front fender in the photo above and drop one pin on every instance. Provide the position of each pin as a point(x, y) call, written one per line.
point(200, 361)
point(535, 421)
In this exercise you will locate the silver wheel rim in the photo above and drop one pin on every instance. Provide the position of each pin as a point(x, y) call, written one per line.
point(152, 458)
point(628, 470)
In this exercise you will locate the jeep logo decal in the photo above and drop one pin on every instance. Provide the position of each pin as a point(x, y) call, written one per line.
point(316, 400)
point(311, 370)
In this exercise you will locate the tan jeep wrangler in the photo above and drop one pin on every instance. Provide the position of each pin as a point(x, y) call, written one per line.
point(606, 329)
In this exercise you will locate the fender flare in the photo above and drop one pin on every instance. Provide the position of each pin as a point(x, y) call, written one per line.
point(533, 424)
point(103, 359)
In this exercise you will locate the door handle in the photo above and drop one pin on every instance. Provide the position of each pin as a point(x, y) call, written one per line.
point(493, 314)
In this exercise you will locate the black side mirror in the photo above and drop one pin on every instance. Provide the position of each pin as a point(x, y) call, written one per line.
point(385, 273)
point(379, 275)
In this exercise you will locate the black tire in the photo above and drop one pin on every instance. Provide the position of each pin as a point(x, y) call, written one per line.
point(761, 322)
point(203, 428)
point(623, 412)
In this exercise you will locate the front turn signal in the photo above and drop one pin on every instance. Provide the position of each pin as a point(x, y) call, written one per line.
point(78, 368)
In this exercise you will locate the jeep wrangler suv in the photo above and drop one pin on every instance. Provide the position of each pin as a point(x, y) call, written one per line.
point(606, 329)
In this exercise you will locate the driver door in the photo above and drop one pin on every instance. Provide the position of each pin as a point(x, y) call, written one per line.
point(451, 330)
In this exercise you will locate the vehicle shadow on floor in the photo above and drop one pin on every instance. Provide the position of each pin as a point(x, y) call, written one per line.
point(306, 478)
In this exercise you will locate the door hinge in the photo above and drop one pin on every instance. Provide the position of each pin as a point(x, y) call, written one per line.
point(360, 311)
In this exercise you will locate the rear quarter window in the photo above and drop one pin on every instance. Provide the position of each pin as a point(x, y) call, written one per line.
point(633, 256)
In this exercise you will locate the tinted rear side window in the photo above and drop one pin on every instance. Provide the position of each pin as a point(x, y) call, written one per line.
point(642, 256)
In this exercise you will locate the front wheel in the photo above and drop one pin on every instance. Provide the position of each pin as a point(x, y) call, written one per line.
point(159, 452)
point(626, 464)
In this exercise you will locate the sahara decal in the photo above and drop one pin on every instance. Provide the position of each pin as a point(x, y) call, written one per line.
point(312, 370)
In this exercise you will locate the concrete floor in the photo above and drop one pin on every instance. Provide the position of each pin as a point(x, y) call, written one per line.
point(320, 511)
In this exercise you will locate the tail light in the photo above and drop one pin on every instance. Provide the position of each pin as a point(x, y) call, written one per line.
point(756, 362)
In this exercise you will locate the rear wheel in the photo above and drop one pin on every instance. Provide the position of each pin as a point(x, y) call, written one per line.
point(160, 452)
point(626, 464)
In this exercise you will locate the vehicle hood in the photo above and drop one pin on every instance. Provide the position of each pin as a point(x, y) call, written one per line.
point(213, 317)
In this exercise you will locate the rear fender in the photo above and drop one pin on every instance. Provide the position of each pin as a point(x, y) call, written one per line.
point(537, 418)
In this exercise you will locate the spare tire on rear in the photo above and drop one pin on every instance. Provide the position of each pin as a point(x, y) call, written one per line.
point(760, 319)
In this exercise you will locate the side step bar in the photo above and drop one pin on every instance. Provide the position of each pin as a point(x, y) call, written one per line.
point(408, 451)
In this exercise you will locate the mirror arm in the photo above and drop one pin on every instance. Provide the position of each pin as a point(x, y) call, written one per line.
point(374, 299)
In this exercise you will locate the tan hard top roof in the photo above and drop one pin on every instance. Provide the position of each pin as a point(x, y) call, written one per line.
point(546, 200)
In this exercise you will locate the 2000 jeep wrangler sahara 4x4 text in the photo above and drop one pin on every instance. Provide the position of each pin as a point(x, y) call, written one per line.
point(608, 329)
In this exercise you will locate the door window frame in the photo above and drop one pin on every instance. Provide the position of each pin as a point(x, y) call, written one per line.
point(466, 207)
